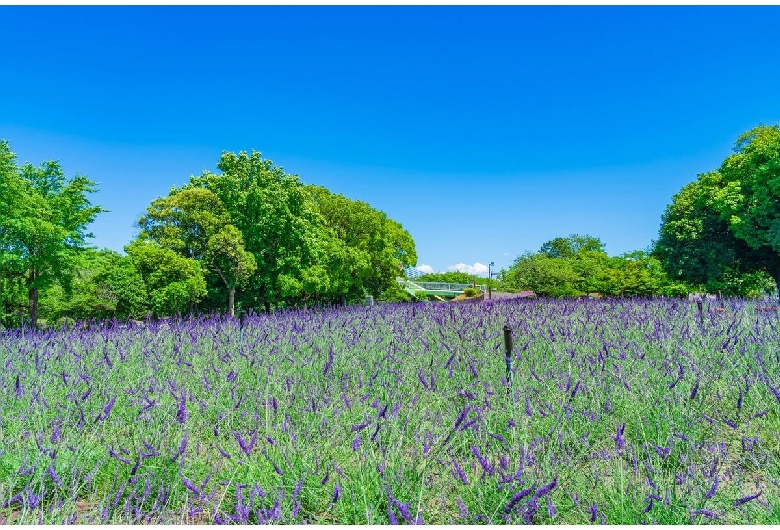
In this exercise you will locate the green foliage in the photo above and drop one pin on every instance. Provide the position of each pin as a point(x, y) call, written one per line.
point(44, 224)
point(174, 283)
point(279, 224)
point(104, 285)
point(194, 223)
point(720, 231)
point(569, 247)
point(470, 291)
point(577, 265)
point(451, 277)
point(376, 248)
point(542, 274)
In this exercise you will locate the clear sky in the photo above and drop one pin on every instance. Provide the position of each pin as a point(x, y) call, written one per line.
point(485, 131)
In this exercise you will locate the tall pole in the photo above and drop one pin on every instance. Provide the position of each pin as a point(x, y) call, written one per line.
point(490, 280)
point(508, 355)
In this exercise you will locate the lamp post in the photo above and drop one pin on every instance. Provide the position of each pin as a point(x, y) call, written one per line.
point(490, 280)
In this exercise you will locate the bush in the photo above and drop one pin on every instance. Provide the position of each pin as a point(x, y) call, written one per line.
point(470, 291)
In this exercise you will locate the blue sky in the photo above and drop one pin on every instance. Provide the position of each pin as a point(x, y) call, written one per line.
point(485, 131)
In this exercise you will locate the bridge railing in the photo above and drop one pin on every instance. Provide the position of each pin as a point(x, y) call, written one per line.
point(443, 286)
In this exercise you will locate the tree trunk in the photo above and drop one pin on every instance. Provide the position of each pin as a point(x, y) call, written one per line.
point(33, 294)
point(232, 301)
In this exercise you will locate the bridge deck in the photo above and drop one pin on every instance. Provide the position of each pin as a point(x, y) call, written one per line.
point(442, 289)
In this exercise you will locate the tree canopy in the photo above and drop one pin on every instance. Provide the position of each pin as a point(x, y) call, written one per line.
point(578, 265)
point(45, 217)
point(723, 230)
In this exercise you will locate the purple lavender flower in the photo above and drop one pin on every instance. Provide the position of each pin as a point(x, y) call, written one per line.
point(461, 416)
point(18, 392)
point(190, 486)
point(620, 443)
point(107, 409)
point(181, 411)
point(391, 514)
point(356, 443)
point(359, 427)
point(743, 500)
point(775, 391)
point(461, 474)
point(593, 511)
point(182, 448)
point(547, 488)
point(662, 451)
point(336, 493)
point(517, 497)
point(705, 513)
point(498, 437)
point(114, 454)
point(53, 475)
point(739, 400)
point(55, 435)
point(550, 508)
point(695, 389)
point(482, 461)
point(243, 444)
point(711, 493)
point(463, 511)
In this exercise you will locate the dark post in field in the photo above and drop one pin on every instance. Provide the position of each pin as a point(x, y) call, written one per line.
point(700, 304)
point(241, 319)
point(508, 354)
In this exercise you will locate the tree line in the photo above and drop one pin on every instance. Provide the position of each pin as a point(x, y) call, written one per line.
point(253, 236)
point(720, 235)
point(249, 236)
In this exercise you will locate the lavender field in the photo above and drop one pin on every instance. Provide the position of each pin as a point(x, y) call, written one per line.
point(620, 412)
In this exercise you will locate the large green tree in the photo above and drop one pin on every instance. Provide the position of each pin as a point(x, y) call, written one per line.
point(377, 248)
point(720, 231)
point(44, 222)
point(280, 226)
point(104, 285)
point(194, 223)
point(174, 282)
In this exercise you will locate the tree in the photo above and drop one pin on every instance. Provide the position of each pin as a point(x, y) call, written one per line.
point(174, 283)
point(451, 277)
point(377, 247)
point(750, 199)
point(723, 225)
point(280, 225)
point(545, 275)
point(44, 222)
point(194, 223)
point(569, 247)
point(226, 256)
point(104, 285)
